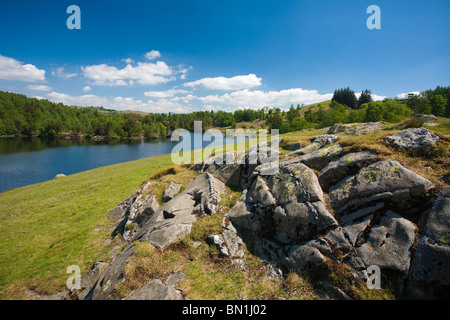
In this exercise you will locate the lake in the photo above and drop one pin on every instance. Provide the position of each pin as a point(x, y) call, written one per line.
point(29, 161)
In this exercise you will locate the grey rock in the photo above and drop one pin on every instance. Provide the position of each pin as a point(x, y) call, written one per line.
point(438, 222)
point(229, 243)
point(155, 290)
point(389, 243)
point(243, 218)
point(90, 279)
point(173, 279)
point(333, 292)
point(366, 128)
point(305, 258)
point(337, 128)
point(148, 209)
point(385, 180)
point(294, 146)
point(298, 222)
point(171, 191)
point(113, 275)
point(133, 209)
point(429, 276)
point(164, 233)
point(412, 139)
point(346, 165)
point(182, 205)
point(270, 251)
point(317, 159)
point(260, 194)
point(426, 118)
point(58, 296)
point(301, 212)
point(355, 229)
point(60, 175)
point(207, 191)
point(295, 182)
point(170, 223)
point(119, 211)
point(316, 143)
point(337, 238)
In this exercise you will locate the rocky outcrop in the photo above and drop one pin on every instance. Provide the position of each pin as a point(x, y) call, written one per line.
point(366, 128)
point(171, 191)
point(133, 212)
point(294, 146)
point(318, 159)
point(412, 139)
point(426, 118)
point(354, 211)
point(89, 281)
point(337, 128)
point(113, 275)
point(316, 143)
point(386, 181)
point(155, 290)
point(345, 166)
point(173, 221)
point(285, 214)
point(429, 277)
point(386, 244)
point(229, 243)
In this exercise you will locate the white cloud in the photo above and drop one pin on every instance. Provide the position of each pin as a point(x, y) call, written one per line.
point(258, 99)
point(39, 87)
point(62, 74)
point(119, 103)
point(222, 83)
point(405, 95)
point(128, 60)
point(87, 89)
point(144, 73)
point(375, 97)
point(152, 55)
point(11, 69)
point(165, 94)
point(84, 100)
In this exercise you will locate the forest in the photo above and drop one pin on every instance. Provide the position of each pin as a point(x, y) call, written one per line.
point(31, 117)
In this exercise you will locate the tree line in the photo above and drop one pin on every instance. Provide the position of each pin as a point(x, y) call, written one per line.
point(345, 107)
point(21, 115)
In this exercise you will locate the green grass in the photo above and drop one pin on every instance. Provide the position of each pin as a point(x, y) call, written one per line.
point(442, 127)
point(48, 226)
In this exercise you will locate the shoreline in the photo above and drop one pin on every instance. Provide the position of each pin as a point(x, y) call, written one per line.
point(70, 136)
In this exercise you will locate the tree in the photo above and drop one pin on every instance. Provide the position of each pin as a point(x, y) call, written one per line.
point(374, 112)
point(365, 97)
point(438, 104)
point(291, 113)
point(413, 102)
point(424, 106)
point(345, 96)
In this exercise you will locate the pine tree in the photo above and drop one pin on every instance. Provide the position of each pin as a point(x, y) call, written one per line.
point(345, 96)
point(365, 97)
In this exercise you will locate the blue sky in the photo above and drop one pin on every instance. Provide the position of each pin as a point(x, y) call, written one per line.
point(180, 56)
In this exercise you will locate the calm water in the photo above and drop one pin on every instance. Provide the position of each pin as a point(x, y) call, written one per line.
point(29, 161)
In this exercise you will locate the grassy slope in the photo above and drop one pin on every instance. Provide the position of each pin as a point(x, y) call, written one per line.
point(48, 226)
